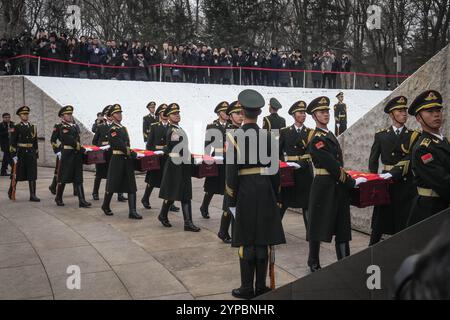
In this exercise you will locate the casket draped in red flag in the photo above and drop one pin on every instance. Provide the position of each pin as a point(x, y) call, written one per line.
point(286, 175)
point(96, 156)
point(208, 167)
point(150, 161)
point(373, 193)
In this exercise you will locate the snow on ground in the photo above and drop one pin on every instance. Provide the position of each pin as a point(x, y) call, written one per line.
point(197, 102)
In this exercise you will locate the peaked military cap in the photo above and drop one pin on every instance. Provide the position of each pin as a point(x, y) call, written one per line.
point(299, 106)
point(151, 104)
point(251, 100)
point(340, 94)
point(321, 103)
point(235, 107)
point(171, 109)
point(275, 104)
point(397, 103)
point(161, 109)
point(430, 99)
point(65, 110)
point(106, 110)
point(117, 108)
point(221, 107)
point(23, 110)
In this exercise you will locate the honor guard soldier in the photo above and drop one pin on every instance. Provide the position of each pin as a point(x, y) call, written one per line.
point(252, 197)
point(215, 185)
point(71, 159)
point(101, 140)
point(157, 141)
point(274, 121)
point(329, 202)
point(25, 153)
point(340, 115)
point(150, 119)
point(234, 113)
point(121, 177)
point(6, 127)
point(393, 145)
point(294, 142)
point(430, 159)
point(176, 183)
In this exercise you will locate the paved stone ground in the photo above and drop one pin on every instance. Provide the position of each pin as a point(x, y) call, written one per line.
point(124, 259)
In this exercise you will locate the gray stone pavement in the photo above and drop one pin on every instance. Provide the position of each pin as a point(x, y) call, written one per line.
point(124, 259)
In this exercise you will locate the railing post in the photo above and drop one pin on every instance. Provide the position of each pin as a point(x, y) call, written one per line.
point(240, 76)
point(39, 67)
point(354, 81)
point(160, 72)
point(304, 79)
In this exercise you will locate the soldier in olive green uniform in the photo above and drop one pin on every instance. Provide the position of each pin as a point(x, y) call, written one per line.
point(430, 159)
point(274, 121)
point(24, 152)
point(393, 145)
point(121, 177)
point(234, 113)
point(101, 140)
point(157, 142)
point(176, 183)
point(329, 202)
point(294, 142)
point(252, 197)
point(340, 115)
point(150, 119)
point(215, 185)
point(71, 163)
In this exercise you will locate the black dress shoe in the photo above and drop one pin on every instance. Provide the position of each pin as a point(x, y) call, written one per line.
point(107, 212)
point(174, 208)
point(121, 198)
point(59, 203)
point(146, 204)
point(225, 238)
point(52, 190)
point(242, 293)
point(315, 268)
point(205, 214)
point(191, 228)
point(165, 223)
point(95, 197)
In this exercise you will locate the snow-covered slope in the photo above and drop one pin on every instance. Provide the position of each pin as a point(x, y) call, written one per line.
point(197, 101)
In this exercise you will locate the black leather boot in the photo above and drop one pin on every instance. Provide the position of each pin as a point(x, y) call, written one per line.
point(59, 194)
point(53, 186)
point(146, 198)
point(204, 209)
point(164, 214)
point(225, 222)
point(95, 194)
point(187, 215)
point(174, 208)
point(33, 198)
point(121, 198)
point(132, 207)
point(342, 250)
point(75, 190)
point(106, 207)
point(262, 264)
point(314, 256)
point(81, 197)
point(246, 291)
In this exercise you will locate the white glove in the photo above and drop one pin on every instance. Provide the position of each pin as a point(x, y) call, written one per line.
point(386, 176)
point(159, 153)
point(294, 165)
point(219, 158)
point(233, 212)
point(105, 148)
point(15, 159)
point(198, 161)
point(360, 181)
point(87, 150)
point(140, 155)
point(58, 155)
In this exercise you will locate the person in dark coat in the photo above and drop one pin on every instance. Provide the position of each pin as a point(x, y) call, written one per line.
point(71, 160)
point(215, 185)
point(127, 64)
point(25, 152)
point(252, 198)
point(204, 60)
point(285, 76)
point(226, 60)
point(329, 202)
point(340, 115)
point(316, 66)
point(234, 113)
point(156, 142)
point(5, 130)
point(294, 143)
point(394, 146)
point(176, 183)
point(149, 119)
point(430, 159)
point(298, 63)
point(275, 63)
point(274, 121)
point(121, 177)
